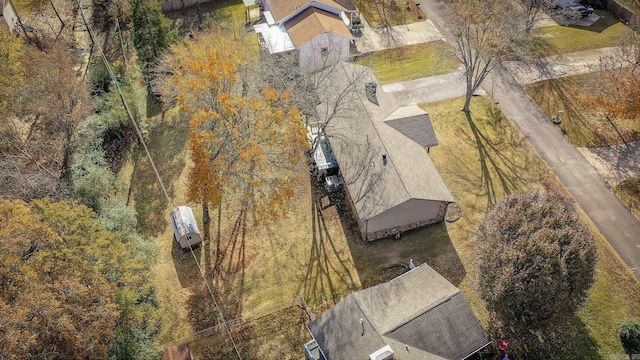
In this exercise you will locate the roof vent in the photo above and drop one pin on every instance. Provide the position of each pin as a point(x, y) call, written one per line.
point(384, 159)
point(370, 89)
point(384, 353)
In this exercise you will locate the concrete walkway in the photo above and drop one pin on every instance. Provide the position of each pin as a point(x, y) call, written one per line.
point(615, 163)
point(428, 89)
point(618, 225)
point(551, 67)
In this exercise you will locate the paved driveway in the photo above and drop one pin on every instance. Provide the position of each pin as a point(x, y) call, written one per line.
point(551, 67)
point(379, 39)
point(615, 163)
point(428, 89)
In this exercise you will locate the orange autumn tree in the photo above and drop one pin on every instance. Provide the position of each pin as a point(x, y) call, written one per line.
point(245, 139)
point(615, 93)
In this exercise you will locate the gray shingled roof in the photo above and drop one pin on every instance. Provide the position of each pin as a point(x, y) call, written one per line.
point(453, 332)
point(361, 134)
point(420, 310)
point(345, 339)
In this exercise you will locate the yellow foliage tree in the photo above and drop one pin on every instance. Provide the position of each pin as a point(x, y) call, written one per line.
point(245, 139)
point(62, 280)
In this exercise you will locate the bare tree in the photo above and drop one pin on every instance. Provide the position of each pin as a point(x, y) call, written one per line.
point(483, 30)
point(532, 12)
point(283, 73)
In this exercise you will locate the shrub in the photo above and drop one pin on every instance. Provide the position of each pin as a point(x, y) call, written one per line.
point(536, 260)
point(630, 337)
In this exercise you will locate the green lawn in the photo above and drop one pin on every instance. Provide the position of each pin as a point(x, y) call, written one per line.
point(411, 62)
point(483, 160)
point(564, 39)
point(582, 125)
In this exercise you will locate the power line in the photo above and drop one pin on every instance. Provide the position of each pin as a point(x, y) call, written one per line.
point(115, 81)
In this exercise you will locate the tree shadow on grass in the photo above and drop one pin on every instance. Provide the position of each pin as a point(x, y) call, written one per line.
point(326, 264)
point(186, 268)
point(166, 145)
point(554, 95)
point(566, 339)
point(228, 262)
point(222, 293)
point(504, 167)
point(201, 308)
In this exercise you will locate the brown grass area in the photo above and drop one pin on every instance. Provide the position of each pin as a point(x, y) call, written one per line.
point(227, 13)
point(250, 268)
point(383, 13)
point(629, 192)
point(559, 39)
point(481, 166)
point(581, 123)
point(279, 335)
point(411, 62)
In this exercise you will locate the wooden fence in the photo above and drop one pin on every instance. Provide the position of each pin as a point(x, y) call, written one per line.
point(621, 12)
point(297, 301)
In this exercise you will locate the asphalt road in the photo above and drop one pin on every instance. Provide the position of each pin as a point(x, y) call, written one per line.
point(614, 220)
point(618, 225)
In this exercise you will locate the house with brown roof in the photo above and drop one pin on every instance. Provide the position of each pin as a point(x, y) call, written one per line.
point(417, 316)
point(318, 30)
point(381, 150)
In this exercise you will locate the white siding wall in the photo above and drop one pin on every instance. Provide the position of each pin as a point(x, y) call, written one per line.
point(410, 212)
point(10, 16)
point(311, 53)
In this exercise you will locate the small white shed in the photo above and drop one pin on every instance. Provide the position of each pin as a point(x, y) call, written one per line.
point(185, 227)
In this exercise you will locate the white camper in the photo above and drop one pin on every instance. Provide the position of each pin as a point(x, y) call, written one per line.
point(185, 227)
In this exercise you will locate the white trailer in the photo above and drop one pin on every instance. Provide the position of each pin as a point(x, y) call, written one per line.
point(185, 227)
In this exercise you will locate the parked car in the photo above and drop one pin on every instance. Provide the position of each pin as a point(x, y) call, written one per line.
point(579, 9)
point(573, 9)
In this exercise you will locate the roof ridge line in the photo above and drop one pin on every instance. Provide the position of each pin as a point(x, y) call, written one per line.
point(429, 308)
point(375, 127)
point(373, 325)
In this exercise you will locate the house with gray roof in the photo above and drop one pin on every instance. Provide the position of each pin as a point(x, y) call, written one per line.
point(418, 315)
point(382, 151)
